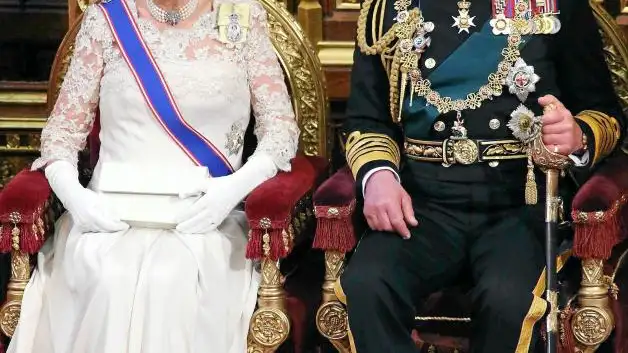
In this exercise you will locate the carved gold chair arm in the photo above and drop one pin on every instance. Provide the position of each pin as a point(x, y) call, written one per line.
point(27, 211)
point(334, 203)
point(278, 211)
point(331, 318)
point(593, 322)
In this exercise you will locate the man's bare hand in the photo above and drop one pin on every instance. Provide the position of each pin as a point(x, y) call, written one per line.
point(387, 206)
point(561, 132)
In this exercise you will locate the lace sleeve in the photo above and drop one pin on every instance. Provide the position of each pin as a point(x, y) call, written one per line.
point(276, 128)
point(72, 117)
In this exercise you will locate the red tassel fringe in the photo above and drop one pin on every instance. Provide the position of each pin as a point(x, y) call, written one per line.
point(30, 233)
point(334, 230)
point(596, 237)
point(22, 206)
point(279, 244)
point(567, 340)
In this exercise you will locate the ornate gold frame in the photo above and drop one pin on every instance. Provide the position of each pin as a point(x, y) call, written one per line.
point(615, 49)
point(304, 72)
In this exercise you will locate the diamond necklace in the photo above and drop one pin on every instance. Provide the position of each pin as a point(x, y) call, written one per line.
point(172, 17)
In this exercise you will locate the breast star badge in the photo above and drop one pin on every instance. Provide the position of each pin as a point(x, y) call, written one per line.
point(235, 139)
point(521, 79)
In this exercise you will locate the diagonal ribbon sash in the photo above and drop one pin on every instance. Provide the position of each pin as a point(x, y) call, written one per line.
point(156, 92)
point(464, 70)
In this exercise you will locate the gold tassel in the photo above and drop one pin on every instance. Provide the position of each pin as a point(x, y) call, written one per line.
point(531, 192)
point(402, 92)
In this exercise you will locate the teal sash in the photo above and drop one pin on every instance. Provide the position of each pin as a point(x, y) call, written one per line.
point(464, 71)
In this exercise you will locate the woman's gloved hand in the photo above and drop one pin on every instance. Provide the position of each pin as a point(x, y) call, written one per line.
point(221, 195)
point(85, 206)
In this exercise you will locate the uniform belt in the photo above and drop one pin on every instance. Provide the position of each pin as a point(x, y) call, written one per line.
point(464, 151)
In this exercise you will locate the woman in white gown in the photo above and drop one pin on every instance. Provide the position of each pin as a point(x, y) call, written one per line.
point(102, 286)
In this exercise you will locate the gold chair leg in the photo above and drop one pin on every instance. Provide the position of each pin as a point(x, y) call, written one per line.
point(593, 322)
point(20, 275)
point(331, 318)
point(270, 325)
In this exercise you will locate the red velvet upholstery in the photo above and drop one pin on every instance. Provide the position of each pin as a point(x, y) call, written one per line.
point(338, 190)
point(22, 207)
point(606, 186)
point(269, 208)
point(334, 203)
point(599, 210)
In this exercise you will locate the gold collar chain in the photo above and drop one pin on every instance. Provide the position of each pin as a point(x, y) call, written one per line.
point(405, 61)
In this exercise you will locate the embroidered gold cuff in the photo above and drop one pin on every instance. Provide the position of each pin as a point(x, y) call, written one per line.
point(605, 132)
point(363, 148)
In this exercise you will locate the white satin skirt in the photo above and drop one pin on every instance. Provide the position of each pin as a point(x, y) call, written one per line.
point(139, 291)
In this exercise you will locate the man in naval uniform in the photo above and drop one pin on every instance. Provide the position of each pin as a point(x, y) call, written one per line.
point(445, 99)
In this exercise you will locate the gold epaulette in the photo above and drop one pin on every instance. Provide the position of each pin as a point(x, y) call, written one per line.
point(377, 21)
point(363, 148)
point(606, 132)
point(386, 43)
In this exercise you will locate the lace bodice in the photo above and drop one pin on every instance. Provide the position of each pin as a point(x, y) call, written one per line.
point(215, 84)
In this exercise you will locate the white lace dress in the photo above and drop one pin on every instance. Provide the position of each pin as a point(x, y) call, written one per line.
point(143, 290)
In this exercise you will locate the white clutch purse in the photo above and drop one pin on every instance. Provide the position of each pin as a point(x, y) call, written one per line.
point(147, 196)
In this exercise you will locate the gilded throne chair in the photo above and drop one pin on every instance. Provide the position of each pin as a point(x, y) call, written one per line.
point(279, 211)
point(593, 307)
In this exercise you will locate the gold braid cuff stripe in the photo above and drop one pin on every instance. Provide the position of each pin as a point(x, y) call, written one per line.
point(605, 132)
point(368, 147)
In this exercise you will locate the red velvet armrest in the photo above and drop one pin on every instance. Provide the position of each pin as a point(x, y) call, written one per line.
point(23, 204)
point(269, 208)
point(599, 210)
point(334, 205)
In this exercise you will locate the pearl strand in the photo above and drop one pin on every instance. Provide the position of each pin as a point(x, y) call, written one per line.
point(171, 17)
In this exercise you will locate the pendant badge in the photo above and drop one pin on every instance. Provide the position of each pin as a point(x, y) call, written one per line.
point(463, 21)
point(234, 30)
point(521, 79)
point(233, 21)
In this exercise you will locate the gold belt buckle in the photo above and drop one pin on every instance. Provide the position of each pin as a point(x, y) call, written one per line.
point(465, 151)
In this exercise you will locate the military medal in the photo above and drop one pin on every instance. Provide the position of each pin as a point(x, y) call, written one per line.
point(458, 131)
point(500, 23)
point(529, 16)
point(521, 79)
point(545, 18)
point(463, 21)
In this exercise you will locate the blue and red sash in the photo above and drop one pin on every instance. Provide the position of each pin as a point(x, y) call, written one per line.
point(156, 92)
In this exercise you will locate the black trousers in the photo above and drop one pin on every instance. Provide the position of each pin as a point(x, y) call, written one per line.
point(482, 228)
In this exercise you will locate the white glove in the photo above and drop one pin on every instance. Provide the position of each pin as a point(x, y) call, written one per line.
point(85, 206)
point(223, 194)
